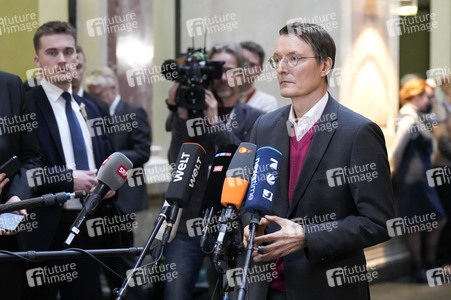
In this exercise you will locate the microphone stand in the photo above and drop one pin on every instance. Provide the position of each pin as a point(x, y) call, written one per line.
point(62, 254)
point(255, 221)
point(165, 213)
point(44, 200)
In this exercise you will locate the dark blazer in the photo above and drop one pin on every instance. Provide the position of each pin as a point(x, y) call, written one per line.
point(358, 211)
point(103, 107)
point(135, 144)
point(53, 159)
point(22, 143)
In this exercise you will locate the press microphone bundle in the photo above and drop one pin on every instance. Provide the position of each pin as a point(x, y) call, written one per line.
point(212, 196)
point(233, 192)
point(111, 176)
point(259, 198)
point(178, 195)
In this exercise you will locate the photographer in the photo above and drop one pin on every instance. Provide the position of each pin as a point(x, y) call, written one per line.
point(225, 120)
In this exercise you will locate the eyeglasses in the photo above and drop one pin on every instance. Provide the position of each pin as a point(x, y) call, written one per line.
point(291, 60)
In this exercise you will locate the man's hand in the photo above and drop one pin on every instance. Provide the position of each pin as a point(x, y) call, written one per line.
point(290, 238)
point(211, 109)
point(3, 181)
point(13, 199)
point(85, 180)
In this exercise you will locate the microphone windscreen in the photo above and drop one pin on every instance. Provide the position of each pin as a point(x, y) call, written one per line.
point(184, 177)
point(263, 181)
point(221, 162)
point(238, 175)
point(114, 170)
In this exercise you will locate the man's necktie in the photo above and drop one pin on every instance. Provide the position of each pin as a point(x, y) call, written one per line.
point(78, 143)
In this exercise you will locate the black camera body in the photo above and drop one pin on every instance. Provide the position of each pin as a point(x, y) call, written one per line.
point(194, 76)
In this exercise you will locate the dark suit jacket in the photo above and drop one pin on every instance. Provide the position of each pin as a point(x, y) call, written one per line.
point(22, 143)
point(103, 107)
point(360, 209)
point(53, 159)
point(135, 144)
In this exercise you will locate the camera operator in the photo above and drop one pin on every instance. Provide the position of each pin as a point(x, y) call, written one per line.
point(225, 121)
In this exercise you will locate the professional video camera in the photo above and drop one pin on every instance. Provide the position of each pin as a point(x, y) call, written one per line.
point(194, 77)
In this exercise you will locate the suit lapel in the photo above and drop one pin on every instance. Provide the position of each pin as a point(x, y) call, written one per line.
point(318, 146)
point(43, 105)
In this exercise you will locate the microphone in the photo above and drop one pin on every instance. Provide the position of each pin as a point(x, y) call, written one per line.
point(213, 191)
point(259, 198)
point(44, 200)
point(263, 182)
point(233, 192)
point(182, 184)
point(111, 176)
point(159, 237)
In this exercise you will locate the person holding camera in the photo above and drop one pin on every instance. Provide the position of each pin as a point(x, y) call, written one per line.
point(224, 120)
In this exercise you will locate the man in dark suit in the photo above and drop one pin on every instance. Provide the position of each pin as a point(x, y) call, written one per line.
point(333, 196)
point(69, 155)
point(77, 83)
point(18, 137)
point(129, 131)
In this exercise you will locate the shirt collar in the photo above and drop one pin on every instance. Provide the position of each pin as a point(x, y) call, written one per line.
point(52, 91)
point(303, 124)
point(114, 105)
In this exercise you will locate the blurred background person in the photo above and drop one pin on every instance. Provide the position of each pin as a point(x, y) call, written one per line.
point(442, 159)
point(410, 159)
point(77, 83)
point(255, 56)
point(134, 143)
point(24, 145)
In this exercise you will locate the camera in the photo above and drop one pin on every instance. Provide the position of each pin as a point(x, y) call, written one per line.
point(194, 76)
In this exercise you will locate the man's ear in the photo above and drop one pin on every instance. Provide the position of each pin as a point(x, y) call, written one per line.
point(37, 62)
point(326, 66)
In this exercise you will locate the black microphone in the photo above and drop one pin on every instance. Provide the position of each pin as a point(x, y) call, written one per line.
point(234, 190)
point(183, 182)
point(213, 191)
point(111, 176)
point(44, 200)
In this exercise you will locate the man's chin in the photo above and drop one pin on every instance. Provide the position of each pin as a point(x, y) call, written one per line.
point(224, 94)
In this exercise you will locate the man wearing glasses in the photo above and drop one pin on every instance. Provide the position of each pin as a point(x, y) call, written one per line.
point(334, 195)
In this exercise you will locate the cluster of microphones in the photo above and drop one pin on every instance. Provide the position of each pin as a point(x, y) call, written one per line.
point(238, 174)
